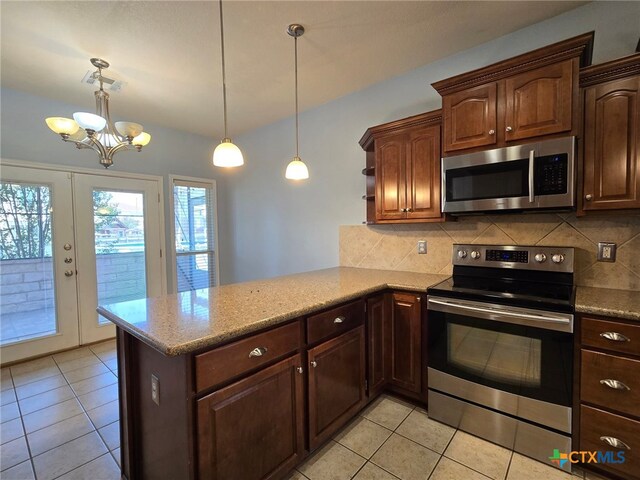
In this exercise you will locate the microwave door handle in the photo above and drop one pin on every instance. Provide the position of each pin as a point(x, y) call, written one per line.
point(531, 174)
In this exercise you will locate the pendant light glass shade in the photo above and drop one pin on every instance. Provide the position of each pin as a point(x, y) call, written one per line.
point(61, 125)
point(296, 170)
point(227, 155)
point(142, 139)
point(90, 121)
point(128, 129)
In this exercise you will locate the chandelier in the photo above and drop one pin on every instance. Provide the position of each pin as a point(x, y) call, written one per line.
point(98, 132)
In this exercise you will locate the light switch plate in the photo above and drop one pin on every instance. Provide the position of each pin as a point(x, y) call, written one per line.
point(606, 252)
point(422, 247)
point(155, 390)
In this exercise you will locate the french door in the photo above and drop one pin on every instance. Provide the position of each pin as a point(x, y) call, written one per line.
point(68, 243)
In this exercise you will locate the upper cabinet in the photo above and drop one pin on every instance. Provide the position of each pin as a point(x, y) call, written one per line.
point(403, 168)
point(611, 140)
point(516, 100)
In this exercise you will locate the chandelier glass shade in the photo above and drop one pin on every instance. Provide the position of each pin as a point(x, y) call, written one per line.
point(296, 170)
point(96, 131)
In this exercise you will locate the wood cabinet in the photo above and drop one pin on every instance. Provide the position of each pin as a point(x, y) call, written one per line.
point(611, 138)
point(253, 429)
point(377, 335)
point(405, 343)
point(516, 100)
point(404, 159)
point(609, 403)
point(336, 384)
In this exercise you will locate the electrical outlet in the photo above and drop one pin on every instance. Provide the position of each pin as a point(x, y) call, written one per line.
point(422, 247)
point(606, 252)
point(155, 390)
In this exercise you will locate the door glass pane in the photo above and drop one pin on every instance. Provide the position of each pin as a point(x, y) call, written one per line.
point(27, 296)
point(118, 219)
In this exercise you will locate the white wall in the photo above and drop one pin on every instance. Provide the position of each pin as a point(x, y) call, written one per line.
point(275, 227)
point(25, 136)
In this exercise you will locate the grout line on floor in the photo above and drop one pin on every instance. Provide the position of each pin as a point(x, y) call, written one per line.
point(24, 430)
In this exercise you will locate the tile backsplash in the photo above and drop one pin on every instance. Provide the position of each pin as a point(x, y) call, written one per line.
point(394, 247)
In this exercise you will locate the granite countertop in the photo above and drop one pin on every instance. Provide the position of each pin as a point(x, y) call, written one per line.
point(181, 323)
point(608, 302)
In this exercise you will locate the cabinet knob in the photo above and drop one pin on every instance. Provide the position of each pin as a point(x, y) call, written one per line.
point(615, 384)
point(407, 209)
point(614, 442)
point(403, 209)
point(314, 364)
point(340, 319)
point(509, 129)
point(588, 197)
point(492, 132)
point(615, 337)
point(258, 352)
point(299, 369)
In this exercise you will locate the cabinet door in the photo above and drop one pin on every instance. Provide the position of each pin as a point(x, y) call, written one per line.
point(423, 173)
point(612, 145)
point(336, 384)
point(253, 429)
point(377, 327)
point(469, 118)
point(390, 177)
point(539, 102)
point(406, 341)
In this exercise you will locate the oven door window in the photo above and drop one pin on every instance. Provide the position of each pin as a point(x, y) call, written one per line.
point(493, 180)
point(526, 361)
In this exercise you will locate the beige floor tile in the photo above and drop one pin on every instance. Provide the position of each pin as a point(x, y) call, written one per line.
point(9, 412)
point(83, 373)
point(425, 431)
point(387, 411)
point(296, 475)
point(363, 436)
point(405, 459)
point(99, 397)
point(44, 400)
point(22, 471)
point(5, 380)
point(523, 468)
point(593, 476)
point(7, 396)
point(66, 457)
point(449, 470)
point(373, 472)
point(32, 366)
point(108, 356)
point(104, 414)
point(35, 375)
point(14, 452)
point(332, 462)
point(72, 355)
point(116, 455)
point(94, 383)
point(112, 364)
point(50, 415)
point(111, 435)
point(102, 468)
point(11, 430)
point(485, 457)
point(79, 363)
point(106, 346)
point(41, 386)
point(59, 433)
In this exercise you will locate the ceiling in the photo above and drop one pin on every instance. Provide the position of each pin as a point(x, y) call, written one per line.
point(168, 52)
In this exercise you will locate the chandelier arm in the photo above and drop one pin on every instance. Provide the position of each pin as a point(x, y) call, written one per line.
point(96, 145)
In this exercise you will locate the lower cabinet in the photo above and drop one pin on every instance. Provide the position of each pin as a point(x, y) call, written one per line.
point(254, 428)
point(377, 335)
point(336, 384)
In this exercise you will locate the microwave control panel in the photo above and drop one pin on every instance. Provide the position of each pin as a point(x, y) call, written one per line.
point(551, 174)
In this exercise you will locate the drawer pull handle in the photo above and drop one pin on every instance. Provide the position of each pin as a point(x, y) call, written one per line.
point(615, 337)
point(314, 364)
point(340, 319)
point(614, 442)
point(258, 352)
point(615, 384)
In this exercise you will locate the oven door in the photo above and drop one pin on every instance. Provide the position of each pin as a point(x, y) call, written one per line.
point(526, 353)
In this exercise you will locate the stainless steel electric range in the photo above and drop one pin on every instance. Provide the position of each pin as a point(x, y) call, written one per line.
point(500, 346)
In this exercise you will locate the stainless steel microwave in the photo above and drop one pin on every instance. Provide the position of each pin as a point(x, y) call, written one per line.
point(523, 177)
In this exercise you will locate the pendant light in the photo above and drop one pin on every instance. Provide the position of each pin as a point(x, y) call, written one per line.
point(296, 170)
point(226, 154)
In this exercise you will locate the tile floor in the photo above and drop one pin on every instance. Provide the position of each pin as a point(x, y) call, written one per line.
point(59, 420)
point(59, 416)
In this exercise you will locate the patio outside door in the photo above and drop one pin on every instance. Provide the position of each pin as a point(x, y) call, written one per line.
point(68, 243)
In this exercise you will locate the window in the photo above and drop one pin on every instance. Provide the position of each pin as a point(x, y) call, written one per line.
point(194, 233)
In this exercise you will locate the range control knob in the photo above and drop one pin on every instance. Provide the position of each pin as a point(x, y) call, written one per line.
point(475, 254)
point(540, 257)
point(462, 254)
point(557, 258)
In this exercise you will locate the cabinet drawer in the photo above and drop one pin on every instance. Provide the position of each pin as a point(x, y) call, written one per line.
point(596, 424)
point(226, 362)
point(334, 321)
point(619, 337)
point(610, 382)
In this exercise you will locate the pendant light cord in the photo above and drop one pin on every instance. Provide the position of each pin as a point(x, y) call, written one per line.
point(224, 80)
point(295, 49)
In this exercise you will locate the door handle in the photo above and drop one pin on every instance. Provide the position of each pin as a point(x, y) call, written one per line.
point(532, 197)
point(68, 273)
point(68, 260)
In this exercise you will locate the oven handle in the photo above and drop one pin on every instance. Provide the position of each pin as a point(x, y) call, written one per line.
point(532, 197)
point(561, 322)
